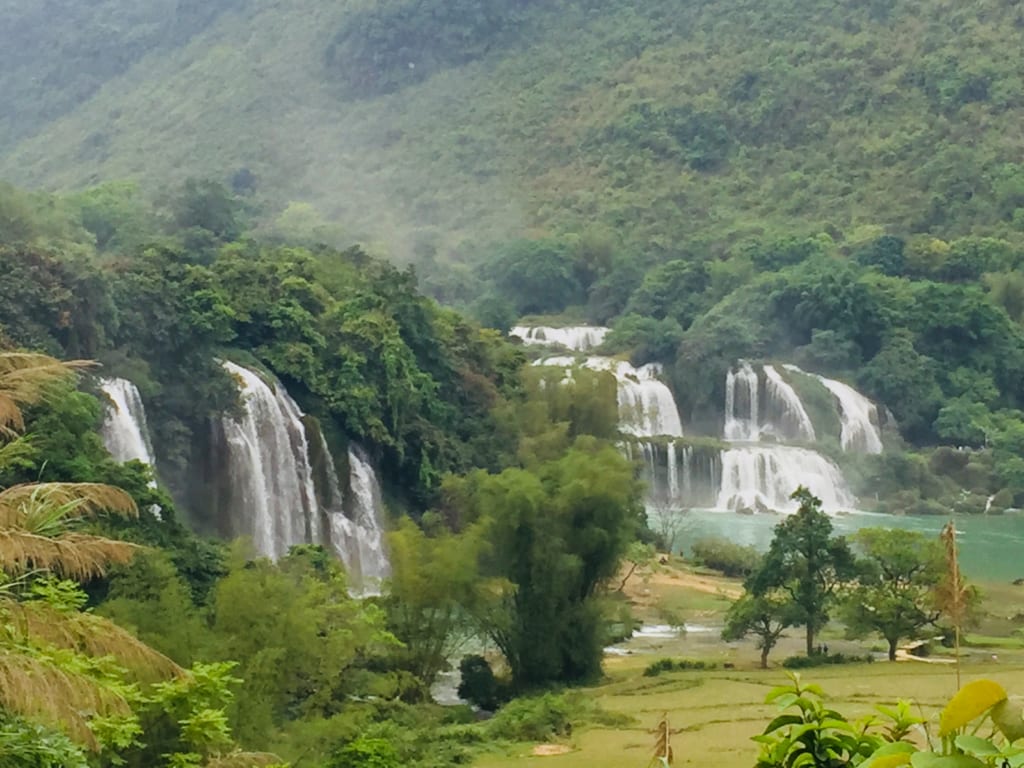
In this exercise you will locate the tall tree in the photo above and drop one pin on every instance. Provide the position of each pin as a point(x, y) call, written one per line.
point(558, 533)
point(766, 617)
point(895, 590)
point(806, 562)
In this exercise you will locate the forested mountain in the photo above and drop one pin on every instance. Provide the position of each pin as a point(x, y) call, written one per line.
point(681, 126)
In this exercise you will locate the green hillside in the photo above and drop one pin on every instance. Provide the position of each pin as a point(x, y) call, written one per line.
point(678, 126)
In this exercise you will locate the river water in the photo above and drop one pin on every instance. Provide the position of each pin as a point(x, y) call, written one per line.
point(991, 546)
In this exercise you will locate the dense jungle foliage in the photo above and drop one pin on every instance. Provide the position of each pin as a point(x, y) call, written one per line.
point(524, 508)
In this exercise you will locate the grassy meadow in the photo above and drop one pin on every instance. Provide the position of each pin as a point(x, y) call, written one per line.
point(717, 712)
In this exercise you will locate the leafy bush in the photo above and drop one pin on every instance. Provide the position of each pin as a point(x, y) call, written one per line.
point(726, 556)
point(824, 660)
point(550, 716)
point(536, 719)
point(365, 753)
point(677, 665)
point(478, 684)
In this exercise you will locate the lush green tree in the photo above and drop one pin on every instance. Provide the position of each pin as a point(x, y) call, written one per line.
point(672, 290)
point(765, 617)
point(536, 275)
point(434, 578)
point(894, 591)
point(806, 563)
point(298, 638)
point(557, 534)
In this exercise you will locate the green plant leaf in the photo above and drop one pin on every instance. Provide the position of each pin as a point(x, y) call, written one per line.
point(976, 745)
point(931, 760)
point(1008, 720)
point(782, 721)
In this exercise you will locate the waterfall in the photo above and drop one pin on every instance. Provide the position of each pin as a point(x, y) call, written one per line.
point(858, 417)
point(366, 505)
point(741, 403)
point(124, 428)
point(673, 471)
point(646, 405)
point(578, 338)
point(789, 419)
point(762, 478)
point(272, 497)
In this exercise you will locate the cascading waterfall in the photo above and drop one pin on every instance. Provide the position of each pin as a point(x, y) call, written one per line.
point(761, 478)
point(789, 419)
point(124, 430)
point(741, 403)
point(272, 494)
point(578, 338)
point(366, 505)
point(646, 405)
point(858, 416)
point(273, 499)
point(673, 471)
point(763, 412)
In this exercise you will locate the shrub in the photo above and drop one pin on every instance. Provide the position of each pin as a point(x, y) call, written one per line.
point(536, 719)
point(365, 753)
point(677, 665)
point(479, 686)
point(726, 556)
point(823, 660)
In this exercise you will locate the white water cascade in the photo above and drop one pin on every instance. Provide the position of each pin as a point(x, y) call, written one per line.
point(272, 494)
point(578, 338)
point(356, 532)
point(273, 498)
point(858, 416)
point(646, 405)
point(760, 476)
point(124, 430)
point(792, 416)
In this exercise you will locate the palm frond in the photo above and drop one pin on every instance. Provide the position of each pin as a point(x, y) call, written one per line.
point(244, 760)
point(18, 502)
point(76, 556)
point(37, 687)
point(89, 634)
point(24, 379)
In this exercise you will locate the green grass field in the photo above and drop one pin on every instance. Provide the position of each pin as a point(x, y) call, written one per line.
point(717, 712)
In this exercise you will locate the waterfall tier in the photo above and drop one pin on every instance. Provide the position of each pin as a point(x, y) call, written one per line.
point(578, 338)
point(858, 416)
point(355, 529)
point(762, 478)
point(756, 407)
point(273, 499)
point(124, 429)
point(646, 405)
point(271, 494)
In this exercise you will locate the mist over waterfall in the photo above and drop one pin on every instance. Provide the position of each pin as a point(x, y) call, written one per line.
point(124, 429)
point(762, 478)
point(271, 493)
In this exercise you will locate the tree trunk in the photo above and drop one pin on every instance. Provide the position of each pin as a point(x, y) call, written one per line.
point(764, 658)
point(810, 640)
point(892, 649)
